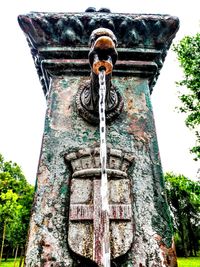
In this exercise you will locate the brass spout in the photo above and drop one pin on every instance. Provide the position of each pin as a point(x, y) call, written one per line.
point(102, 55)
point(102, 64)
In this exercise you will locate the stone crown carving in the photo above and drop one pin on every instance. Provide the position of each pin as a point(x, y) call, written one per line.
point(86, 162)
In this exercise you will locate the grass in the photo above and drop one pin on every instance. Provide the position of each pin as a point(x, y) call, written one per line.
point(189, 262)
point(182, 262)
point(10, 263)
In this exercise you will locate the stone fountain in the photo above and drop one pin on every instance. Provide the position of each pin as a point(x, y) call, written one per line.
point(68, 226)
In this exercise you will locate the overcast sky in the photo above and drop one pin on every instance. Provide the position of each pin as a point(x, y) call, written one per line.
point(22, 103)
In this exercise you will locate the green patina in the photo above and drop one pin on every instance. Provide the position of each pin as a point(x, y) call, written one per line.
point(140, 88)
point(64, 190)
point(36, 184)
point(49, 156)
point(118, 85)
point(158, 173)
point(64, 84)
point(47, 127)
point(148, 99)
point(163, 227)
point(118, 136)
point(54, 101)
point(84, 135)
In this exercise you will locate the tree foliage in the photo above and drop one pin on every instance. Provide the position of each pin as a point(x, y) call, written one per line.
point(184, 200)
point(188, 53)
point(16, 197)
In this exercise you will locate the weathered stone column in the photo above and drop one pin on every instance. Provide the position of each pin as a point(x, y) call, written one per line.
point(64, 221)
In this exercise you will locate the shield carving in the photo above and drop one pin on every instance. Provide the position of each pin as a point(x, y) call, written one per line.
point(87, 223)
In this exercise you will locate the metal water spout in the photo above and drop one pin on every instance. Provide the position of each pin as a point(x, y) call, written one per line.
point(102, 56)
point(103, 52)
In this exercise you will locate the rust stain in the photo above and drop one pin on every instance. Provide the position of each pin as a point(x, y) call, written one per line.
point(136, 105)
point(46, 255)
point(169, 254)
point(137, 127)
point(132, 107)
point(43, 174)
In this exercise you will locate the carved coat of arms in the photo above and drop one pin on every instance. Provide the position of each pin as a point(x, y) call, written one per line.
point(86, 221)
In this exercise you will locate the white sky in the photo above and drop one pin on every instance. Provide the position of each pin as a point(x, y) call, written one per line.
point(22, 104)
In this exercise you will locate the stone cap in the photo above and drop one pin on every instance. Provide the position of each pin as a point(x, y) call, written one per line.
point(60, 40)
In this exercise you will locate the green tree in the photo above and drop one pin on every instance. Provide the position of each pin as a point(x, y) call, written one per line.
point(188, 53)
point(9, 210)
point(16, 197)
point(184, 200)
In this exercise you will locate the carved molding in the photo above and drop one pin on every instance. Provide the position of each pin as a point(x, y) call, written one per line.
point(74, 29)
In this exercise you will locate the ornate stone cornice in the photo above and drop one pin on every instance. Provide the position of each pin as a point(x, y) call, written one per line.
point(60, 40)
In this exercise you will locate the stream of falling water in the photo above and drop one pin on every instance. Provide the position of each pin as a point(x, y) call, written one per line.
point(104, 179)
